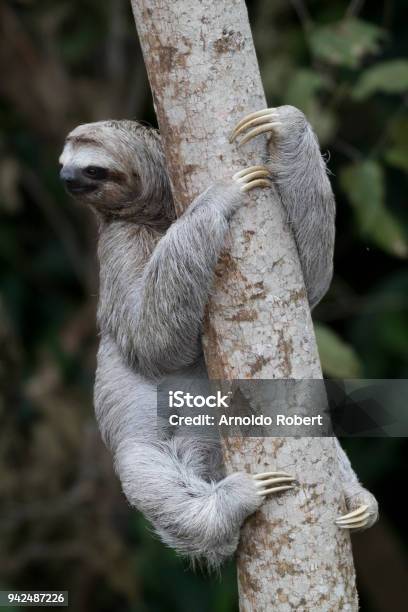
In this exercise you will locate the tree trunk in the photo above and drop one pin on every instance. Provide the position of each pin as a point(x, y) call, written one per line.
point(204, 77)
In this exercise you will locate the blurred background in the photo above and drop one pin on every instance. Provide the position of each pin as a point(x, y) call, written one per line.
point(63, 521)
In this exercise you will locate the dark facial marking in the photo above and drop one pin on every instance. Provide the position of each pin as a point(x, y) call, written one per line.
point(75, 182)
point(95, 173)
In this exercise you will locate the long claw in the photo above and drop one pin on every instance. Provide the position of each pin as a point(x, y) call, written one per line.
point(261, 113)
point(275, 490)
point(269, 119)
point(266, 481)
point(354, 513)
point(267, 127)
point(353, 521)
point(271, 481)
point(254, 175)
point(256, 183)
point(270, 475)
point(248, 170)
point(354, 526)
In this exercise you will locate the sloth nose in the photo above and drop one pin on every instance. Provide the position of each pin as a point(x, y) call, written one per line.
point(69, 174)
point(74, 182)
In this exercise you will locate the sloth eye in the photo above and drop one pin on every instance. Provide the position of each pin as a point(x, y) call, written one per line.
point(95, 172)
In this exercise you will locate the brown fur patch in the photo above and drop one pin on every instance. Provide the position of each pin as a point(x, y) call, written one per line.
point(117, 176)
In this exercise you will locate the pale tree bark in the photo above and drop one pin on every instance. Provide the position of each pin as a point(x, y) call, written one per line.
point(204, 77)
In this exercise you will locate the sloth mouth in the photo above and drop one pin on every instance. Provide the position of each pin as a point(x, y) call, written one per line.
point(78, 189)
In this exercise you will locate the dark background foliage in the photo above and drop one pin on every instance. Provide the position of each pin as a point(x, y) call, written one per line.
point(63, 521)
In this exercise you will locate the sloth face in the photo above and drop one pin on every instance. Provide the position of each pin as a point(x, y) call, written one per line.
point(81, 181)
point(97, 168)
point(117, 167)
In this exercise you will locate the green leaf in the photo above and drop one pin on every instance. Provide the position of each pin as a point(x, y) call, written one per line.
point(397, 153)
point(346, 42)
point(303, 87)
point(364, 185)
point(388, 77)
point(389, 235)
point(398, 158)
point(338, 358)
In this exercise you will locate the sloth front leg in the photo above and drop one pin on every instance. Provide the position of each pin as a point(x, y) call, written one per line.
point(300, 175)
point(177, 279)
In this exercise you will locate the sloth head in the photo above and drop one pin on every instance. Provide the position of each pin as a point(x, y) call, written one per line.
point(118, 168)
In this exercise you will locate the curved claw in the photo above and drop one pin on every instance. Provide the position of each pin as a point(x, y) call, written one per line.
point(275, 490)
point(267, 481)
point(267, 127)
point(257, 183)
point(264, 120)
point(263, 475)
point(251, 177)
point(355, 523)
point(354, 520)
point(249, 170)
point(272, 481)
point(358, 525)
point(248, 119)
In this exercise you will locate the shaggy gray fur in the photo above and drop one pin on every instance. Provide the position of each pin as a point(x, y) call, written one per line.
point(155, 276)
point(301, 177)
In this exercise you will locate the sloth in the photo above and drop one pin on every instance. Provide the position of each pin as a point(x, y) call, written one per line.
point(156, 273)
